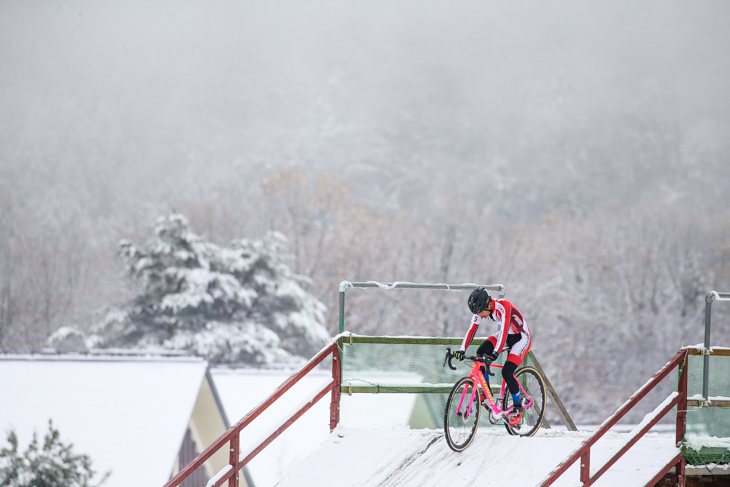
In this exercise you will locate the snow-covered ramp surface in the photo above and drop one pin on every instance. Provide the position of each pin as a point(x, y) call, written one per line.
point(421, 458)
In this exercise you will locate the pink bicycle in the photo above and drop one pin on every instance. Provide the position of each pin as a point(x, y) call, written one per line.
point(463, 407)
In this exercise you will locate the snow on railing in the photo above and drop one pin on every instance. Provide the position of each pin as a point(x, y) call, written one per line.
point(219, 476)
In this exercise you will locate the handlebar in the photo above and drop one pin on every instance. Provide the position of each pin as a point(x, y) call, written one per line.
point(474, 358)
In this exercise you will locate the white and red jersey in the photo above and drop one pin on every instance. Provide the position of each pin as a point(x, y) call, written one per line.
point(510, 322)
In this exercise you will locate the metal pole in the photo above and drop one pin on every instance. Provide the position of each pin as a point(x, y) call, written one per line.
point(337, 389)
point(342, 309)
point(706, 369)
point(709, 298)
point(498, 288)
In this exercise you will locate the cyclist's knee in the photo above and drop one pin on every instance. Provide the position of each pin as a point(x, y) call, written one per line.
point(508, 371)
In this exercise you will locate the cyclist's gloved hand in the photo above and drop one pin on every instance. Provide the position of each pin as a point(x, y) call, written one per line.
point(492, 356)
point(459, 355)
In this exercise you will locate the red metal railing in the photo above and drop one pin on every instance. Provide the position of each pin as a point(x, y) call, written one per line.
point(231, 437)
point(679, 400)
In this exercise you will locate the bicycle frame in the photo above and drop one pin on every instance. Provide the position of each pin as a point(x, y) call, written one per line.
point(478, 376)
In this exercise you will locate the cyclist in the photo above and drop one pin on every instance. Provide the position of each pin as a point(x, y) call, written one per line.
point(513, 335)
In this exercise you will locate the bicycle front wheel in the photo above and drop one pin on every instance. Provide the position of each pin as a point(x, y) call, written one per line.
point(462, 415)
point(532, 392)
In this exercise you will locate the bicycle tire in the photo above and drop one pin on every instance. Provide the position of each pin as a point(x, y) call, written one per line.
point(532, 416)
point(460, 429)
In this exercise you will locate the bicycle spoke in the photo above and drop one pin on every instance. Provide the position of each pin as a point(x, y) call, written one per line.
point(532, 391)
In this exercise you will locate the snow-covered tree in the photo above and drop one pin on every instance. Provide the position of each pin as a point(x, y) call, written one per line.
point(229, 304)
point(48, 464)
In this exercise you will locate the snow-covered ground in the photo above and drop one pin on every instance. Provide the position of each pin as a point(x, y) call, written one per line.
point(421, 458)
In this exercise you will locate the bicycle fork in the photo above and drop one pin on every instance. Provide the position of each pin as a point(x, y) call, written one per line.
point(474, 389)
point(467, 413)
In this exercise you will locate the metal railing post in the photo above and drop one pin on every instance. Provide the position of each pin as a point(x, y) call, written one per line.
point(585, 466)
point(706, 359)
point(682, 404)
point(343, 286)
point(233, 459)
point(337, 388)
point(709, 298)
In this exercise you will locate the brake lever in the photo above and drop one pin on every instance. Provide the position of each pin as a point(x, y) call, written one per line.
point(487, 365)
point(448, 358)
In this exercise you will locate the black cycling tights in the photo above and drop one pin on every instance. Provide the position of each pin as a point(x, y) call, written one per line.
point(508, 371)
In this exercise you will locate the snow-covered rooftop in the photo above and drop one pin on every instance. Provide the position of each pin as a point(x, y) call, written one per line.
point(128, 413)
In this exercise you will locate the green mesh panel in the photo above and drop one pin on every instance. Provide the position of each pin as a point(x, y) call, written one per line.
point(390, 381)
point(707, 439)
point(719, 383)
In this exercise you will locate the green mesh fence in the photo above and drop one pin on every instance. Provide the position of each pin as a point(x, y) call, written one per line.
point(392, 382)
point(707, 439)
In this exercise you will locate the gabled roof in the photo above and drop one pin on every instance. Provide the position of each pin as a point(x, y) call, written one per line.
point(129, 413)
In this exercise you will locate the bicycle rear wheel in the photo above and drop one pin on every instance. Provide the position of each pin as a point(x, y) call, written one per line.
point(532, 415)
point(460, 423)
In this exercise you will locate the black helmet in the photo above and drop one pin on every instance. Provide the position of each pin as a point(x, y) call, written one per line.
point(479, 300)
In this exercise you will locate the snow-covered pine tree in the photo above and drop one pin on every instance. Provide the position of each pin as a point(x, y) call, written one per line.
point(229, 304)
point(49, 464)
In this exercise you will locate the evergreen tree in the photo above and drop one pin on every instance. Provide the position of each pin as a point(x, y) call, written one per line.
point(50, 464)
point(229, 304)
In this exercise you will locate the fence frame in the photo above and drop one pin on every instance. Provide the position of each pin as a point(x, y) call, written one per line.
point(349, 339)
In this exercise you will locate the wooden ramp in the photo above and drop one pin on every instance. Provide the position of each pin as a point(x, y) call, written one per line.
point(421, 458)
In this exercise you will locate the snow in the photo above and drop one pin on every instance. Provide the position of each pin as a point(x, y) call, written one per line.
point(421, 458)
point(654, 414)
point(696, 442)
point(108, 408)
point(700, 397)
point(215, 478)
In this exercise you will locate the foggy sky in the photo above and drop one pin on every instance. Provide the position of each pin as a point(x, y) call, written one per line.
point(106, 104)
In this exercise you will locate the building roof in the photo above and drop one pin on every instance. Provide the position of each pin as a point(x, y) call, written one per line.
point(128, 412)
